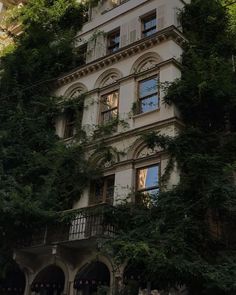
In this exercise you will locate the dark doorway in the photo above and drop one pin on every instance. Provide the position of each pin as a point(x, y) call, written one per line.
point(50, 281)
point(13, 283)
point(93, 279)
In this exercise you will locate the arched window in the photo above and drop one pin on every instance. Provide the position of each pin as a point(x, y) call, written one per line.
point(109, 95)
point(70, 115)
point(148, 96)
point(147, 170)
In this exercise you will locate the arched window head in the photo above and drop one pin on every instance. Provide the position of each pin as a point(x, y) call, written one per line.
point(72, 116)
point(75, 90)
point(109, 77)
point(146, 62)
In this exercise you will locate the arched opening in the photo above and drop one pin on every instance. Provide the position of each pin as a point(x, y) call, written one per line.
point(93, 279)
point(49, 281)
point(146, 62)
point(108, 77)
point(13, 283)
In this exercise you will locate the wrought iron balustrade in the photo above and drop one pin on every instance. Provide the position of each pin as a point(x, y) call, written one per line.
point(79, 224)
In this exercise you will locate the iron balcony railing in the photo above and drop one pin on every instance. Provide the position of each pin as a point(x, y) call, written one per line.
point(74, 225)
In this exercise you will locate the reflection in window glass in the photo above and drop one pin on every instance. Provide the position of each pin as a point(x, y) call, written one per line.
point(149, 25)
point(113, 41)
point(109, 107)
point(148, 184)
point(148, 95)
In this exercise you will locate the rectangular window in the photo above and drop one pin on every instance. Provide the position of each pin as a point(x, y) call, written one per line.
point(109, 106)
point(113, 41)
point(148, 95)
point(149, 25)
point(103, 190)
point(69, 129)
point(82, 53)
point(148, 184)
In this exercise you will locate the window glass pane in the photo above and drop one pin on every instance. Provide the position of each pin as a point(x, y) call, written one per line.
point(113, 42)
point(148, 177)
point(147, 87)
point(115, 39)
point(107, 116)
point(110, 101)
point(150, 197)
point(69, 124)
point(98, 191)
point(110, 188)
point(114, 49)
point(149, 32)
point(149, 104)
point(149, 23)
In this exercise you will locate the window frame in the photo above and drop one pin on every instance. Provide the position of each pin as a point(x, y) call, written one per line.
point(104, 199)
point(140, 192)
point(111, 47)
point(69, 124)
point(140, 99)
point(144, 19)
point(83, 50)
point(145, 167)
point(102, 112)
point(142, 163)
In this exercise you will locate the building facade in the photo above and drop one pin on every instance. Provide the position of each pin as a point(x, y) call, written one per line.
point(7, 31)
point(131, 49)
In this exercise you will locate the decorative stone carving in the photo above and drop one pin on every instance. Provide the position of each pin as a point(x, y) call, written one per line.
point(110, 80)
point(77, 92)
point(147, 66)
point(146, 62)
point(145, 152)
point(108, 77)
point(108, 164)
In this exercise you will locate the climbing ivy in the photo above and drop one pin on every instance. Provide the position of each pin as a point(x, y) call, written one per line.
point(188, 238)
point(176, 242)
point(39, 174)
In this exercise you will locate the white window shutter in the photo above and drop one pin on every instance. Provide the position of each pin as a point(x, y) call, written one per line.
point(124, 35)
point(133, 30)
point(90, 56)
point(161, 17)
point(100, 46)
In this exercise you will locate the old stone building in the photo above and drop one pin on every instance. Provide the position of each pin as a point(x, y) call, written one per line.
point(131, 48)
point(8, 30)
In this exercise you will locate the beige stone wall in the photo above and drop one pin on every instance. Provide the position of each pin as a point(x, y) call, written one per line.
point(123, 75)
point(162, 119)
point(122, 72)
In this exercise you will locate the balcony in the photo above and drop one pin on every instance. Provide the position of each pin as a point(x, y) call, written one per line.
point(75, 228)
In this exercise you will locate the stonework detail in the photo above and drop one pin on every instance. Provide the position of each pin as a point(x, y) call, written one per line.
point(147, 152)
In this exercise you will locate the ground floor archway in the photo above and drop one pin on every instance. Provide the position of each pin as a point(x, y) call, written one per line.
point(13, 283)
point(49, 281)
point(93, 279)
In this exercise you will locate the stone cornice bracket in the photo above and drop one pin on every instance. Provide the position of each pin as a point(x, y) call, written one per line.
point(170, 33)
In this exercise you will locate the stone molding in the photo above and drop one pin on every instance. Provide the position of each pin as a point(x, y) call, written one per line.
point(169, 33)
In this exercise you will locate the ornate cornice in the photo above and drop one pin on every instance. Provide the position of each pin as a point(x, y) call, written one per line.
point(170, 33)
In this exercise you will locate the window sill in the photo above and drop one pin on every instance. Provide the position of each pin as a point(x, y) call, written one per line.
point(145, 114)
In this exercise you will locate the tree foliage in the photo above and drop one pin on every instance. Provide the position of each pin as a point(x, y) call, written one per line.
point(189, 237)
point(39, 174)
